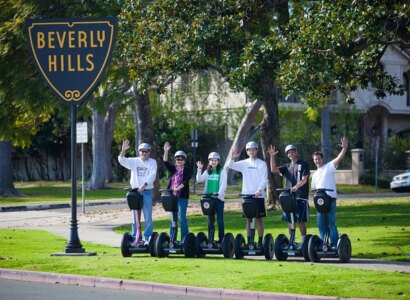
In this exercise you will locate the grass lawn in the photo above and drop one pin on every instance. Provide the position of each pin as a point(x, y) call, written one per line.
point(378, 228)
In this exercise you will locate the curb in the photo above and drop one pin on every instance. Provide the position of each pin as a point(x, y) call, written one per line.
point(44, 277)
point(50, 206)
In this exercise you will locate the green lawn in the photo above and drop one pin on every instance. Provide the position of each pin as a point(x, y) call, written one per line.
point(378, 228)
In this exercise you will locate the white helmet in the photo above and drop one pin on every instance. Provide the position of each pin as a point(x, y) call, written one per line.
point(180, 153)
point(144, 146)
point(251, 144)
point(290, 147)
point(214, 155)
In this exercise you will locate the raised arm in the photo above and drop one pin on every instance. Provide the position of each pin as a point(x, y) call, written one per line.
point(344, 143)
point(167, 146)
point(125, 146)
point(272, 153)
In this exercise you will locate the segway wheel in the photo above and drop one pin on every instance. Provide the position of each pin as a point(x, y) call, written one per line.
point(161, 243)
point(189, 245)
point(239, 244)
point(344, 249)
point(268, 246)
point(200, 241)
point(314, 245)
point(151, 244)
point(125, 244)
point(281, 243)
point(228, 245)
point(305, 247)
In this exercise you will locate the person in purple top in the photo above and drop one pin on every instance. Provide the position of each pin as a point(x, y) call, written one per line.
point(178, 182)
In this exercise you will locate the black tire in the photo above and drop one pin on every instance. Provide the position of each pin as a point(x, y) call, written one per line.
point(268, 246)
point(228, 245)
point(281, 243)
point(161, 243)
point(189, 245)
point(344, 249)
point(239, 244)
point(125, 244)
point(151, 244)
point(200, 241)
point(305, 247)
point(314, 244)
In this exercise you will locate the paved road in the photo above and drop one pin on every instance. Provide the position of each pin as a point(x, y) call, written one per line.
point(25, 290)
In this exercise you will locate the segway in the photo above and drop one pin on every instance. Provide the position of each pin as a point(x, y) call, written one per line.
point(166, 244)
point(205, 245)
point(317, 248)
point(241, 248)
point(285, 247)
point(131, 244)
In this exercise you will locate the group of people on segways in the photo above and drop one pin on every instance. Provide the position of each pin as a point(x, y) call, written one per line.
point(293, 200)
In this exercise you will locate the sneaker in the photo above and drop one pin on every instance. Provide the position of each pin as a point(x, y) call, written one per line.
point(137, 244)
point(259, 246)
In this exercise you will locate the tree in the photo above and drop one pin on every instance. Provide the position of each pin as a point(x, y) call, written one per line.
point(163, 39)
point(338, 45)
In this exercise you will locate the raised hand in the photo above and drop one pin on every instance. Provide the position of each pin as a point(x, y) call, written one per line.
point(272, 150)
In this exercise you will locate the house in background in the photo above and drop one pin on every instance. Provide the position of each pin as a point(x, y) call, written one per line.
point(382, 118)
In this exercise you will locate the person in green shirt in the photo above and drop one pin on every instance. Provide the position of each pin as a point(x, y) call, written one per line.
point(215, 179)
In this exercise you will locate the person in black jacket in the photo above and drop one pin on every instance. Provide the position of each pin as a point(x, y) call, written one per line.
point(179, 184)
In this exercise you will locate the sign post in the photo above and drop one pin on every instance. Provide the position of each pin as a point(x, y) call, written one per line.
point(72, 55)
point(82, 138)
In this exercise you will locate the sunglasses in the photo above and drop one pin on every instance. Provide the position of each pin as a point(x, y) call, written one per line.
point(179, 158)
point(144, 151)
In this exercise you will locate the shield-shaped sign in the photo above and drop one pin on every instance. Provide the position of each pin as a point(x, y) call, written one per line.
point(72, 55)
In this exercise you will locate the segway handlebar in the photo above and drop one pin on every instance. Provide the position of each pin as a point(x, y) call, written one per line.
point(283, 189)
point(213, 195)
point(247, 195)
point(322, 190)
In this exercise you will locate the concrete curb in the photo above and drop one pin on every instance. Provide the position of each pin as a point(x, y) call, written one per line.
point(142, 286)
point(51, 206)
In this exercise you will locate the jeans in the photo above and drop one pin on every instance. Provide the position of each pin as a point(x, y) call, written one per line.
point(219, 209)
point(147, 211)
point(334, 234)
point(182, 208)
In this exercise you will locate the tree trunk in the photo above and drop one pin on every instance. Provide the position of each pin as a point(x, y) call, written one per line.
point(145, 133)
point(270, 134)
point(109, 123)
point(98, 175)
point(6, 175)
point(242, 135)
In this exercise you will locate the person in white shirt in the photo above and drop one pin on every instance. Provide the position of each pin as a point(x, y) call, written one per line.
point(254, 179)
point(324, 178)
point(143, 174)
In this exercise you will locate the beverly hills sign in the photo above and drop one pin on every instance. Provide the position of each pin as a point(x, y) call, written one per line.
point(72, 55)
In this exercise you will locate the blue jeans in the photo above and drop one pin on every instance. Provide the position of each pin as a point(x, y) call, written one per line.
point(182, 208)
point(147, 211)
point(219, 209)
point(334, 234)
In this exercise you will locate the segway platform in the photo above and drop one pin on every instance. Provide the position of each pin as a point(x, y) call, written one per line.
point(166, 244)
point(284, 246)
point(317, 248)
point(241, 248)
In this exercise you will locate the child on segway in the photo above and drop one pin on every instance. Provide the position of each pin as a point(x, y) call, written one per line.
point(255, 176)
point(215, 179)
point(296, 174)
